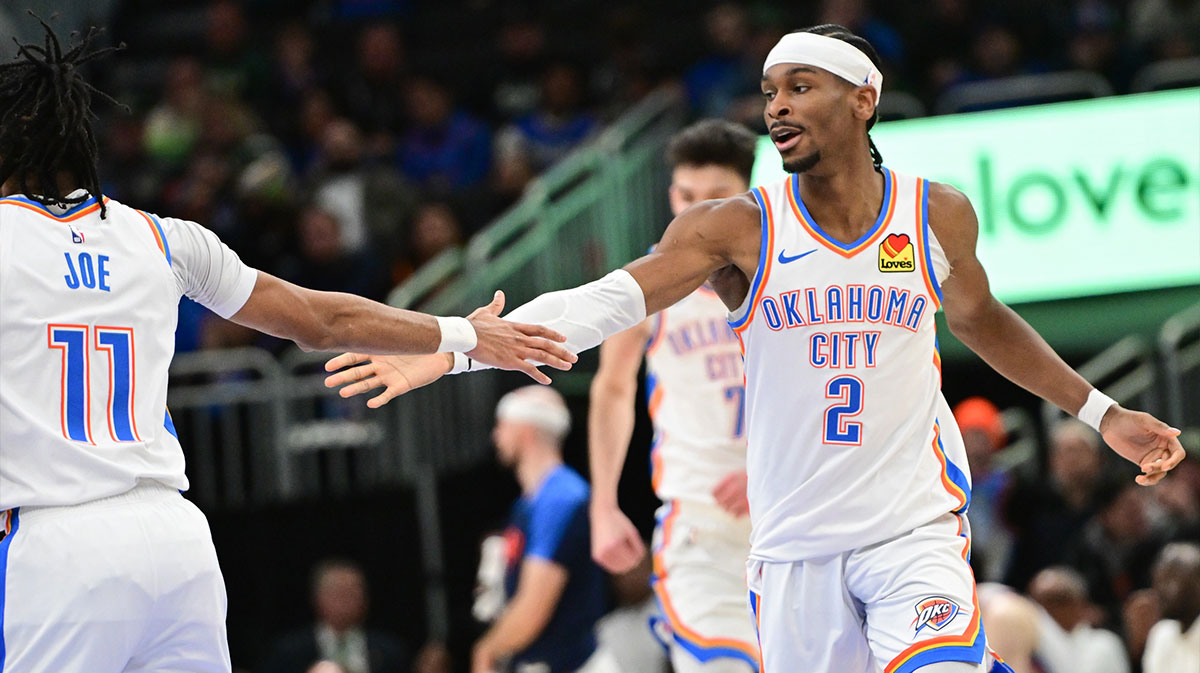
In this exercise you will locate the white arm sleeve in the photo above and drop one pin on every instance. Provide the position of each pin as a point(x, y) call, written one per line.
point(586, 315)
point(205, 269)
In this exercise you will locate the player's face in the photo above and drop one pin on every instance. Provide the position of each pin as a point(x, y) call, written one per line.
point(808, 110)
point(692, 184)
point(506, 437)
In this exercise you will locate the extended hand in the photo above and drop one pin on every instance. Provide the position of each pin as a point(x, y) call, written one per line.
point(616, 544)
point(508, 345)
point(397, 374)
point(1142, 439)
point(730, 493)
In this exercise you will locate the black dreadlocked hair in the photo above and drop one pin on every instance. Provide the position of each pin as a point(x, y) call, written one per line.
point(46, 117)
point(843, 33)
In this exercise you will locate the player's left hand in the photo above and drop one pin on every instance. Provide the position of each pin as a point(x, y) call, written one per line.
point(730, 493)
point(397, 374)
point(1144, 440)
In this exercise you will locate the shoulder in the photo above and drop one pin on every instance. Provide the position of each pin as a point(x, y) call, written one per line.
point(723, 217)
point(565, 487)
point(953, 220)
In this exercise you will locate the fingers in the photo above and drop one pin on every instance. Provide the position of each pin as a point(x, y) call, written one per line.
point(360, 387)
point(547, 353)
point(539, 331)
point(344, 360)
point(350, 375)
point(533, 373)
point(497, 303)
point(381, 399)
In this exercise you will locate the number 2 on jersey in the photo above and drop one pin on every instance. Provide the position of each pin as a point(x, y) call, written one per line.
point(117, 343)
point(848, 390)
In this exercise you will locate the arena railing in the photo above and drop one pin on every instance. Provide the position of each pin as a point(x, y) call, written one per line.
point(1023, 90)
point(1179, 348)
point(1175, 73)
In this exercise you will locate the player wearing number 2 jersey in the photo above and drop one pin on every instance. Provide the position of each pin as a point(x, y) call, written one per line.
point(858, 559)
point(694, 384)
point(104, 567)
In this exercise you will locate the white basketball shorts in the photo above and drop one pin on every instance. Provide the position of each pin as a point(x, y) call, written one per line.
point(894, 607)
point(699, 580)
point(127, 584)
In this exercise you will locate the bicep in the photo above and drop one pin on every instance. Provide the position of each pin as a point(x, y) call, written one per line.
point(275, 307)
point(703, 239)
point(966, 291)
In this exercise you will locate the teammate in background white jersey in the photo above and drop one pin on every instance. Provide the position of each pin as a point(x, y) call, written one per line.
point(104, 567)
point(694, 382)
point(858, 559)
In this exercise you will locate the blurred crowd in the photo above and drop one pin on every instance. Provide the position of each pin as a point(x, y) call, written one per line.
point(343, 143)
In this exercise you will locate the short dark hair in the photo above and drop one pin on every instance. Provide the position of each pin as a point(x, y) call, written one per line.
point(714, 142)
point(845, 35)
point(46, 117)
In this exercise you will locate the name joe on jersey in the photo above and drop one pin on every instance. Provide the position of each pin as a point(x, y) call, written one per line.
point(85, 273)
point(708, 335)
point(843, 305)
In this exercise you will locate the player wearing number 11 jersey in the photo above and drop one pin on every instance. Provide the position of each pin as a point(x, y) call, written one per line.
point(104, 567)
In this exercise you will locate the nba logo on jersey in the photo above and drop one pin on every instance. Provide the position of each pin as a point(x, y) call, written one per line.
point(76, 235)
point(934, 612)
point(896, 254)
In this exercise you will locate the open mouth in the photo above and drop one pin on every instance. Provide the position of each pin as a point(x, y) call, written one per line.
point(785, 138)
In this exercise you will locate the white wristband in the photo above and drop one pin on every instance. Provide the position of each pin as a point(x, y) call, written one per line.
point(462, 363)
point(1092, 411)
point(458, 336)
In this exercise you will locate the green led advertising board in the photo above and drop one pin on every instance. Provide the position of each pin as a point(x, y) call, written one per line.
point(1073, 199)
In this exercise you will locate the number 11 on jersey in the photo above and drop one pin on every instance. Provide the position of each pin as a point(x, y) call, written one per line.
point(117, 344)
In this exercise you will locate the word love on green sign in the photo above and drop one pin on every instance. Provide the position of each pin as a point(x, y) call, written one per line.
point(1074, 199)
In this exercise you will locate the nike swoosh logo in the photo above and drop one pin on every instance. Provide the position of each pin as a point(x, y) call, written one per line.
point(784, 259)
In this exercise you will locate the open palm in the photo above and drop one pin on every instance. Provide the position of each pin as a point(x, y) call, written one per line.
point(396, 374)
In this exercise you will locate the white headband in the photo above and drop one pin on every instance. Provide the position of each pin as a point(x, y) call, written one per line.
point(838, 57)
point(539, 410)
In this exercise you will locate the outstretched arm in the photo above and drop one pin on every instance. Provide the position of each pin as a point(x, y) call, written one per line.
point(1006, 342)
point(337, 321)
point(708, 236)
point(616, 544)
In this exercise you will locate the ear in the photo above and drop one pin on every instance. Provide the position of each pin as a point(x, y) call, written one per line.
point(865, 101)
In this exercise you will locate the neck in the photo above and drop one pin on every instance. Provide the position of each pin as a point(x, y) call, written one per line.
point(844, 196)
point(66, 184)
point(534, 467)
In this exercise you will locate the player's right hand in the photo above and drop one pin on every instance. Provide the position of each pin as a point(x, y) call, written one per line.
point(516, 346)
point(397, 374)
point(616, 544)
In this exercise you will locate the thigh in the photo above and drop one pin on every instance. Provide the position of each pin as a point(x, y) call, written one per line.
point(806, 619)
point(920, 599)
point(699, 581)
point(186, 629)
point(76, 591)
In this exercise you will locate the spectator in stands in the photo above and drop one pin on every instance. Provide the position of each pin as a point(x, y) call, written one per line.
point(295, 71)
point(555, 591)
point(371, 199)
point(858, 17)
point(373, 94)
point(983, 435)
point(233, 67)
point(1180, 501)
point(314, 113)
point(1047, 514)
point(1173, 645)
point(730, 71)
point(1166, 28)
point(324, 263)
point(435, 229)
point(339, 637)
point(1094, 39)
point(1116, 548)
point(173, 125)
point(445, 148)
point(521, 48)
point(1068, 634)
point(543, 137)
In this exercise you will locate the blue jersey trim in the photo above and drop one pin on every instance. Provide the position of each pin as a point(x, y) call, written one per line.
point(5, 544)
point(971, 654)
point(883, 209)
point(925, 239)
point(169, 424)
point(166, 244)
point(74, 209)
point(764, 217)
point(957, 476)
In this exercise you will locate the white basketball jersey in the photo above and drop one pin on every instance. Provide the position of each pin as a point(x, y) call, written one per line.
point(850, 440)
point(694, 381)
point(87, 331)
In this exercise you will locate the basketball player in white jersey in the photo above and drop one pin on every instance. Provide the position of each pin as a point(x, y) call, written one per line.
point(104, 567)
point(857, 474)
point(694, 384)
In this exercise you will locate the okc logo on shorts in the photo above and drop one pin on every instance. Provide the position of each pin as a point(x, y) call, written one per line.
point(896, 254)
point(934, 612)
